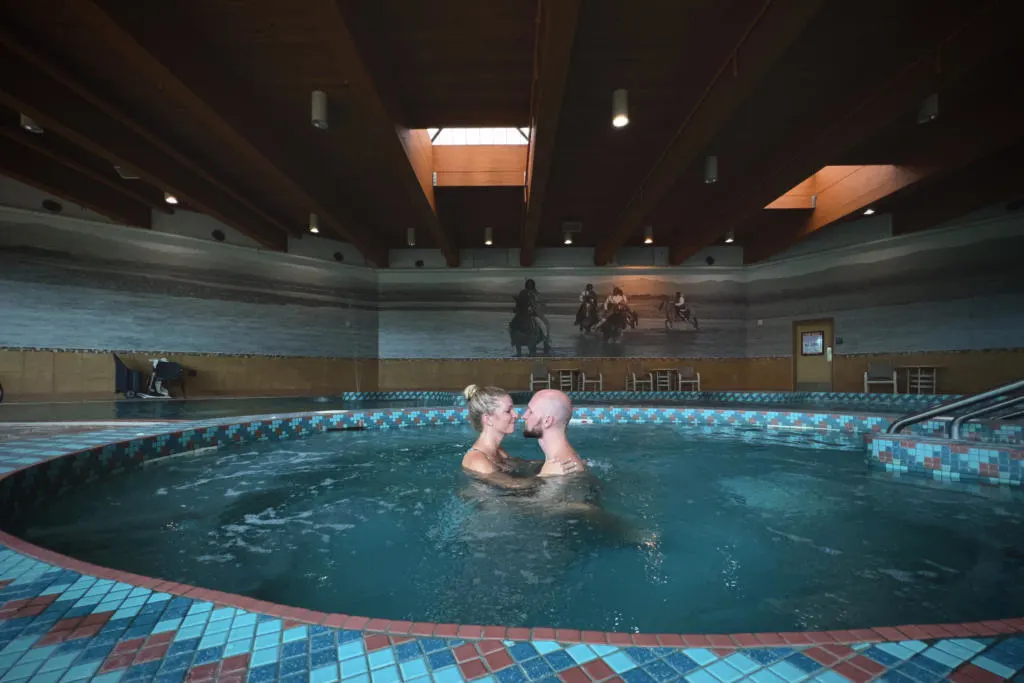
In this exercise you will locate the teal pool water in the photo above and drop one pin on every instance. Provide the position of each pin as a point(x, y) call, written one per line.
point(730, 531)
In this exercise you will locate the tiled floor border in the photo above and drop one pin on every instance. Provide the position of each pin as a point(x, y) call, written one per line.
point(971, 653)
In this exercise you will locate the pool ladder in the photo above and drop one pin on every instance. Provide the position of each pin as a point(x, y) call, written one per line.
point(1000, 402)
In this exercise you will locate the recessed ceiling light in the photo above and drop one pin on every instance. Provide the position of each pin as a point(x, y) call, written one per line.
point(868, 212)
point(170, 198)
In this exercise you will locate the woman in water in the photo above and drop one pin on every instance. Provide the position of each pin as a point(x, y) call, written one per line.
point(491, 413)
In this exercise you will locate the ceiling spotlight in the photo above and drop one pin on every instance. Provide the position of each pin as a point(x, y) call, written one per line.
point(314, 223)
point(410, 236)
point(620, 108)
point(648, 234)
point(729, 237)
point(30, 125)
point(170, 198)
point(929, 109)
point(568, 238)
point(488, 236)
point(711, 170)
point(869, 212)
point(319, 116)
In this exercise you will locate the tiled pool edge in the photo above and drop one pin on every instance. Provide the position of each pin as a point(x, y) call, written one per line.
point(826, 651)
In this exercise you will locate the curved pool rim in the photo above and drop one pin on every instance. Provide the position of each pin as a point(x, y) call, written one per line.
point(828, 647)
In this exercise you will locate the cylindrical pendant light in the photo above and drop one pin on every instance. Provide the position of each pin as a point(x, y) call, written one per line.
point(410, 237)
point(314, 223)
point(319, 114)
point(488, 236)
point(648, 234)
point(568, 238)
point(729, 237)
point(620, 108)
point(711, 169)
point(170, 198)
point(30, 125)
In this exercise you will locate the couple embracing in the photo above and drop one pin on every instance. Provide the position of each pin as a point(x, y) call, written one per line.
point(492, 414)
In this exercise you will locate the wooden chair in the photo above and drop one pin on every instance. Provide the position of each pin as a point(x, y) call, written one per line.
point(590, 375)
point(688, 378)
point(638, 379)
point(540, 377)
point(881, 372)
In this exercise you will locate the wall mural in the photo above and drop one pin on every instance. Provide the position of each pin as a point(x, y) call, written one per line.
point(496, 316)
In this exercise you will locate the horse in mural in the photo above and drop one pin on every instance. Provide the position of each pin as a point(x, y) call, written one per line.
point(680, 314)
point(523, 329)
point(586, 315)
point(616, 322)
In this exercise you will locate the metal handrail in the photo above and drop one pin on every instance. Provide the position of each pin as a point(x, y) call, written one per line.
point(1012, 416)
point(954, 426)
point(899, 424)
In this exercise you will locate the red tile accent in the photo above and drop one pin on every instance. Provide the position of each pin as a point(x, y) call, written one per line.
point(957, 630)
point(866, 635)
point(567, 635)
point(236, 677)
point(474, 632)
point(770, 639)
point(889, 633)
point(913, 632)
point(446, 630)
point(999, 626)
point(840, 651)
point(376, 641)
point(66, 624)
point(722, 651)
point(399, 627)
point(794, 638)
point(822, 656)
point(842, 636)
point(820, 637)
point(936, 631)
point(696, 641)
point(670, 640)
point(115, 662)
point(474, 668)
point(961, 677)
point(869, 665)
point(236, 663)
point(466, 652)
point(574, 675)
point(335, 620)
point(620, 639)
point(132, 645)
point(543, 634)
point(975, 674)
point(51, 638)
point(376, 625)
point(497, 632)
point(291, 623)
point(595, 637)
point(422, 628)
point(161, 638)
point(148, 654)
point(489, 646)
point(85, 631)
point(746, 640)
point(853, 673)
point(598, 670)
point(518, 634)
point(978, 629)
point(398, 640)
point(498, 660)
point(721, 641)
point(645, 640)
point(97, 618)
point(356, 623)
point(205, 672)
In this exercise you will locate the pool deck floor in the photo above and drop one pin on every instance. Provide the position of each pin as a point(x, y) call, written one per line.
point(62, 620)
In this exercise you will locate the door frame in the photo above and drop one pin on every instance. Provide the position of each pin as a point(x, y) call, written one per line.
point(829, 343)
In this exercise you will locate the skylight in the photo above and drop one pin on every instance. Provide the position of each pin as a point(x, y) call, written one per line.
point(479, 136)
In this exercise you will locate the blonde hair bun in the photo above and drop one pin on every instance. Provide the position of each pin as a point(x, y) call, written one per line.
point(471, 391)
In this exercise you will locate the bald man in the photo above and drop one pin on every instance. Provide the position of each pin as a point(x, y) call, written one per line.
point(546, 419)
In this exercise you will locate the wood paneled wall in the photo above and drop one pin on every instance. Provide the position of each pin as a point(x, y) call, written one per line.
point(30, 375)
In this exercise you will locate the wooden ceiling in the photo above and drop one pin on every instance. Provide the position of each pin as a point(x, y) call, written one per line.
point(211, 101)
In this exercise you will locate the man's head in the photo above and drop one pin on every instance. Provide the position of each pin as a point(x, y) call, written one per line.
point(590, 288)
point(530, 284)
point(549, 410)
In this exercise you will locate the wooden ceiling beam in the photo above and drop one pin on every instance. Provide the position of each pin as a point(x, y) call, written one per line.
point(193, 78)
point(61, 103)
point(381, 130)
point(973, 187)
point(72, 157)
point(556, 30)
point(26, 164)
point(992, 28)
point(773, 30)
